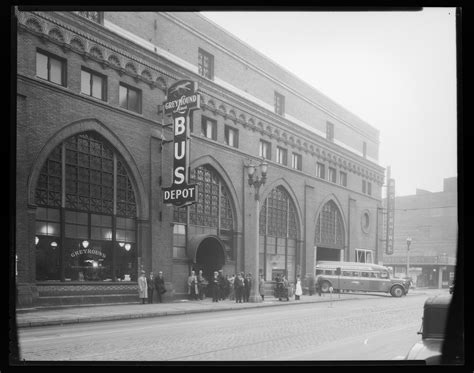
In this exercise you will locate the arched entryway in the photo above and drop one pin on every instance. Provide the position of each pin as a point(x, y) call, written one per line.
point(329, 233)
point(208, 254)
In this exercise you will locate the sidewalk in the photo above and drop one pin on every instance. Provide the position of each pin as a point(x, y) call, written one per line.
point(85, 314)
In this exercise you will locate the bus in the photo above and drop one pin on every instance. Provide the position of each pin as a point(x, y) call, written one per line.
point(354, 276)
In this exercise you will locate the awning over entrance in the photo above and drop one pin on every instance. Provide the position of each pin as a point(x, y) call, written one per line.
point(195, 241)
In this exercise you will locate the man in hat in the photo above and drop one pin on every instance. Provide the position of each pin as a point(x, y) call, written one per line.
point(142, 287)
point(160, 285)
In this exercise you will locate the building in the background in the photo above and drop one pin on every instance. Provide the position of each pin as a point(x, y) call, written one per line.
point(426, 232)
point(92, 160)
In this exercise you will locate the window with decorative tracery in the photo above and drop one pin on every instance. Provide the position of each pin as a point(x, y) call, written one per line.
point(278, 215)
point(91, 211)
point(329, 227)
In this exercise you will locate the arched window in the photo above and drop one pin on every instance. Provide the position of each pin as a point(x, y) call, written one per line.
point(86, 213)
point(329, 227)
point(213, 210)
point(278, 235)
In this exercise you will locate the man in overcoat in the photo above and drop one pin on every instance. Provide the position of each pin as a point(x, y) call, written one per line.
point(150, 282)
point(160, 286)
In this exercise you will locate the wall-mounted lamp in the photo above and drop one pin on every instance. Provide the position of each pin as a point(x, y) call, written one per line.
point(85, 243)
point(128, 246)
point(54, 244)
point(121, 244)
point(36, 240)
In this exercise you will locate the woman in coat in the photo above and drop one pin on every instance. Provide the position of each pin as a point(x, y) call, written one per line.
point(261, 287)
point(142, 287)
point(299, 290)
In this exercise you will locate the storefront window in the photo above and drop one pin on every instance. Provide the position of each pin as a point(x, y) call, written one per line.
point(95, 244)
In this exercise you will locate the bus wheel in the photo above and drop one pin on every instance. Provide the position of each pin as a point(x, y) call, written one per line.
point(325, 287)
point(397, 291)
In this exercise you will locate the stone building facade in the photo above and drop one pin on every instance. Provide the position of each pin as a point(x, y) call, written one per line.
point(93, 153)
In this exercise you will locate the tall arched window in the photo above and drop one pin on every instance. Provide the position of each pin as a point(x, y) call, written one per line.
point(86, 214)
point(212, 213)
point(278, 235)
point(329, 227)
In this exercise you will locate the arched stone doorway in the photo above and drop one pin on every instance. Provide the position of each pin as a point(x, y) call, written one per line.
point(329, 233)
point(208, 253)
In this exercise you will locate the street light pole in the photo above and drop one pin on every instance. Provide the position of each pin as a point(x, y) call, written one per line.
point(408, 255)
point(256, 182)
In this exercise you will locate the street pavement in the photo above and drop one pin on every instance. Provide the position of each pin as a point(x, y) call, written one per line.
point(84, 314)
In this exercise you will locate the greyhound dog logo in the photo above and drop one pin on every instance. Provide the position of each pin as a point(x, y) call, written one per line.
point(181, 88)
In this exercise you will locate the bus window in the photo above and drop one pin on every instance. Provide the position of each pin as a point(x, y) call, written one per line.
point(374, 274)
point(355, 274)
point(329, 272)
point(364, 274)
point(383, 274)
point(319, 272)
point(346, 273)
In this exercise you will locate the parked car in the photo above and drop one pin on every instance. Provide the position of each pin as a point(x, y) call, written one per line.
point(435, 314)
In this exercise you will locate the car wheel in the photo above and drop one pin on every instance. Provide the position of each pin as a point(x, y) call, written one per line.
point(397, 291)
point(325, 287)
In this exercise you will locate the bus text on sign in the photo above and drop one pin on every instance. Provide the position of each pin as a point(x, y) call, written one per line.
point(181, 99)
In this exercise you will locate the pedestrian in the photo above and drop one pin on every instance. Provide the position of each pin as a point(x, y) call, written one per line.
point(193, 290)
point(319, 284)
point(311, 284)
point(150, 284)
point(238, 288)
point(247, 287)
point(202, 283)
point(261, 287)
point(215, 287)
point(298, 290)
point(286, 286)
point(142, 287)
point(231, 287)
point(221, 288)
point(160, 286)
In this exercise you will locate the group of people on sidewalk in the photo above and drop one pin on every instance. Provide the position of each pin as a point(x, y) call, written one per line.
point(147, 286)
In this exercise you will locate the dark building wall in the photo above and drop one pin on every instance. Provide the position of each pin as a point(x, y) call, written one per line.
point(48, 113)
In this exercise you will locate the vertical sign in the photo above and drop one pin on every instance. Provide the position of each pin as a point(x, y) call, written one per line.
point(390, 213)
point(181, 99)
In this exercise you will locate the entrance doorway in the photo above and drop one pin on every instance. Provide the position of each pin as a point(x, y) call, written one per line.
point(209, 257)
point(325, 253)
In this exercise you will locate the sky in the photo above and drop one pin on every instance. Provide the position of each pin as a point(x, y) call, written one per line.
point(394, 70)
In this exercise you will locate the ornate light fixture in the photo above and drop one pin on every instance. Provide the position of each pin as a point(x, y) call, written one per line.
point(257, 181)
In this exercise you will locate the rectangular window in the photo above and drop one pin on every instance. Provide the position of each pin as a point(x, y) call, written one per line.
point(205, 64)
point(265, 150)
point(330, 131)
point(369, 188)
point(364, 149)
point(130, 98)
point(51, 68)
point(209, 128)
point(332, 174)
point(179, 241)
point(93, 84)
point(279, 104)
point(343, 178)
point(231, 136)
point(296, 161)
point(363, 186)
point(320, 171)
point(282, 156)
point(364, 256)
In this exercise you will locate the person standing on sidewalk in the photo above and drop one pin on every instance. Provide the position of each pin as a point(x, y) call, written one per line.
point(150, 285)
point(238, 288)
point(298, 290)
point(311, 284)
point(142, 287)
point(193, 291)
point(261, 287)
point(202, 283)
point(215, 282)
point(247, 287)
point(160, 286)
point(319, 283)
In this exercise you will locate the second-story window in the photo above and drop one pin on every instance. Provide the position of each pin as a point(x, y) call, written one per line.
point(130, 98)
point(265, 150)
point(363, 186)
point(343, 178)
point(332, 174)
point(51, 67)
point(231, 136)
point(330, 131)
point(369, 188)
point(279, 104)
point(93, 84)
point(296, 161)
point(320, 170)
point(209, 128)
point(282, 156)
point(205, 64)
